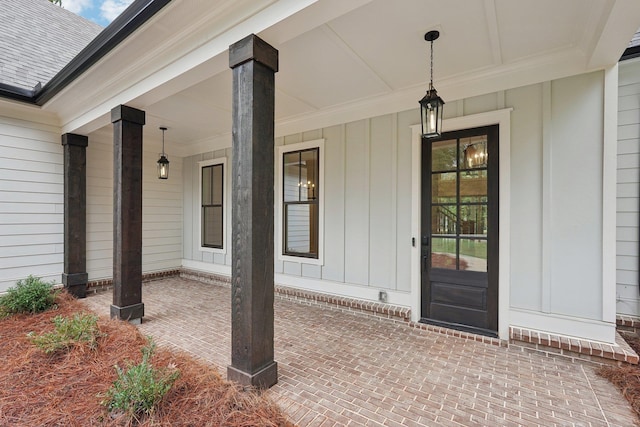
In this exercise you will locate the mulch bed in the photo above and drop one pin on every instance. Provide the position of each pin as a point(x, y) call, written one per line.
point(64, 389)
point(626, 377)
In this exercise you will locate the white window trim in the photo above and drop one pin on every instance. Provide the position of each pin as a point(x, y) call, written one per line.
point(317, 143)
point(218, 161)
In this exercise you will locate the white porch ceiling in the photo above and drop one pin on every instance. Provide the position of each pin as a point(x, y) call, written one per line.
point(341, 63)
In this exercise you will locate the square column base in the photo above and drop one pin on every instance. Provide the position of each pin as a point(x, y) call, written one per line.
point(264, 378)
point(131, 313)
point(76, 284)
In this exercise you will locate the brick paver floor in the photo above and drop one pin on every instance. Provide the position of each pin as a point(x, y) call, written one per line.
point(339, 368)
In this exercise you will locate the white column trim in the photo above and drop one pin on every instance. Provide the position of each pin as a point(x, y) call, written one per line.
point(547, 190)
point(503, 119)
point(609, 190)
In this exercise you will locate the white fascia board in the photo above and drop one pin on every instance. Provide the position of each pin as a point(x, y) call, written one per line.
point(620, 26)
point(31, 113)
point(184, 61)
point(266, 18)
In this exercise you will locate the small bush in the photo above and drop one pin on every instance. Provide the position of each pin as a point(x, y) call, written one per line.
point(30, 295)
point(139, 389)
point(69, 332)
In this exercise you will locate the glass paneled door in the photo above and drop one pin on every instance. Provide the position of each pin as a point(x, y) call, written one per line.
point(460, 230)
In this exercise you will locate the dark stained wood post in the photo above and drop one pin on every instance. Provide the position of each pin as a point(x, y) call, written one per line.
point(75, 275)
point(254, 64)
point(127, 213)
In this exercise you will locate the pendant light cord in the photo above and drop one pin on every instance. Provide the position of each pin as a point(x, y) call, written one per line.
point(431, 81)
point(163, 129)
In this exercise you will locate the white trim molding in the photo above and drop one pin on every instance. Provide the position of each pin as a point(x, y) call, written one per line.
point(609, 194)
point(219, 161)
point(224, 270)
point(278, 226)
point(502, 118)
point(573, 327)
point(342, 289)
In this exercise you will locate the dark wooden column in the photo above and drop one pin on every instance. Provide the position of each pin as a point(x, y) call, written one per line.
point(75, 276)
point(254, 64)
point(127, 213)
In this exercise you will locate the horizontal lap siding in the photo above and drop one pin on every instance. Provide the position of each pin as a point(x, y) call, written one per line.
point(31, 201)
point(161, 211)
point(628, 295)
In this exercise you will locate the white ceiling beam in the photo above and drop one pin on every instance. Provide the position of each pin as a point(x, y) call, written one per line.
point(338, 41)
point(619, 27)
point(256, 23)
point(523, 73)
point(494, 34)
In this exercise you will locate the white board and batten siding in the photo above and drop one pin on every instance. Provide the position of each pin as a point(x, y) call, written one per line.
point(555, 253)
point(218, 261)
point(627, 283)
point(367, 202)
point(161, 210)
point(367, 208)
point(31, 201)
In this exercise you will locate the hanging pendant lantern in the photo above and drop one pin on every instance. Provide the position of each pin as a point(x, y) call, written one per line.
point(163, 162)
point(431, 105)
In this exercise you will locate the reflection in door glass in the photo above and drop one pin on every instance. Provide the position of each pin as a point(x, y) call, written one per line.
point(474, 152)
point(473, 255)
point(443, 187)
point(473, 219)
point(459, 203)
point(444, 155)
point(443, 253)
point(473, 186)
point(444, 219)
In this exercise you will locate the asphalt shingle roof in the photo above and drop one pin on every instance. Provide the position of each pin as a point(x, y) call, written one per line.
point(37, 39)
point(635, 41)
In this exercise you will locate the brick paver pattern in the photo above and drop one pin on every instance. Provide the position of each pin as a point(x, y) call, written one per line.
point(339, 368)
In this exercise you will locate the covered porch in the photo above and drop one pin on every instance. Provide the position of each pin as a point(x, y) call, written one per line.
point(338, 367)
point(349, 91)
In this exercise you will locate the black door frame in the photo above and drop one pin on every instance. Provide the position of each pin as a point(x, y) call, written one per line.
point(493, 207)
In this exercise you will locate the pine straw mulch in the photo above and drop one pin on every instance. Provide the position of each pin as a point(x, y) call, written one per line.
point(626, 377)
point(63, 389)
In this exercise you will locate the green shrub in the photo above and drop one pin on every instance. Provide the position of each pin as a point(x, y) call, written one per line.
point(81, 329)
point(139, 389)
point(30, 295)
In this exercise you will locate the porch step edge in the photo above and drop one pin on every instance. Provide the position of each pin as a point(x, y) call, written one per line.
point(574, 348)
point(102, 285)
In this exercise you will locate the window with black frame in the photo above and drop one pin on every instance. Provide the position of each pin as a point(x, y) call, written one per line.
point(300, 202)
point(212, 206)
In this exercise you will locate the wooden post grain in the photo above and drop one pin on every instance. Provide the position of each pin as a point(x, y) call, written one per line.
point(254, 64)
point(127, 213)
point(75, 274)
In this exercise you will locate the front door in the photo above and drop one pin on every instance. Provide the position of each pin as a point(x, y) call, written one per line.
point(460, 230)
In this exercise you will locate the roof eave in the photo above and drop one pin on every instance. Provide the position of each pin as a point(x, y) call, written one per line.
point(630, 53)
point(16, 93)
point(124, 25)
